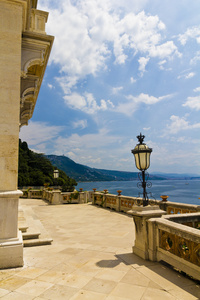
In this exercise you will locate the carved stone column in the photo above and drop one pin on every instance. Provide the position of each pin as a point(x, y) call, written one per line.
point(24, 53)
point(11, 16)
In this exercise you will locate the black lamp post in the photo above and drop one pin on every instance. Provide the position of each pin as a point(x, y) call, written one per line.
point(142, 161)
point(56, 175)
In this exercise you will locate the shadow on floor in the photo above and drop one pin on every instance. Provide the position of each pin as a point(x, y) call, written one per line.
point(160, 270)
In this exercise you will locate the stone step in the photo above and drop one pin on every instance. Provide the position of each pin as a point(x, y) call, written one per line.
point(22, 224)
point(33, 231)
point(37, 242)
point(30, 235)
point(23, 227)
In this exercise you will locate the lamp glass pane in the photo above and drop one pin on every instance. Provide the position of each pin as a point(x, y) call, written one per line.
point(148, 160)
point(143, 161)
point(137, 162)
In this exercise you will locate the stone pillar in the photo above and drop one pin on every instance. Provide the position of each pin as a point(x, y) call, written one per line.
point(11, 18)
point(153, 239)
point(81, 197)
point(140, 217)
point(56, 197)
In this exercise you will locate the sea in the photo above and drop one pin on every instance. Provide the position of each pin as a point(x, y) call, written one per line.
point(180, 191)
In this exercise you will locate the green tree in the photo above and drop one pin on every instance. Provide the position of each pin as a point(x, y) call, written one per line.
point(36, 170)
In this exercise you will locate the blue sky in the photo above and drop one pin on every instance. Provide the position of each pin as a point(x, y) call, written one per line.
point(118, 68)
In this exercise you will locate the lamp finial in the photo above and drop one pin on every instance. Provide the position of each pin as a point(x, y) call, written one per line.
point(141, 138)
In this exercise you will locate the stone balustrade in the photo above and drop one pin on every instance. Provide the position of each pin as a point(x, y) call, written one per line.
point(124, 203)
point(104, 199)
point(56, 196)
point(172, 239)
point(37, 194)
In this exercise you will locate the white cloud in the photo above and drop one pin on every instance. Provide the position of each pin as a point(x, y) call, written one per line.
point(116, 90)
point(129, 107)
point(75, 101)
point(89, 32)
point(191, 33)
point(50, 86)
point(67, 83)
point(187, 76)
point(197, 89)
point(37, 133)
point(193, 103)
point(179, 124)
point(133, 80)
point(195, 59)
point(190, 75)
point(80, 124)
point(142, 64)
point(110, 104)
point(83, 146)
point(161, 64)
point(146, 128)
point(165, 50)
point(87, 103)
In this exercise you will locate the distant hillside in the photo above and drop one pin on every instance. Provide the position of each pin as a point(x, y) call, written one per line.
point(126, 176)
point(83, 173)
point(36, 170)
point(77, 171)
point(177, 176)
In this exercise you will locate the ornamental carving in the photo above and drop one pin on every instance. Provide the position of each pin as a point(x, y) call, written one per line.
point(35, 53)
point(179, 246)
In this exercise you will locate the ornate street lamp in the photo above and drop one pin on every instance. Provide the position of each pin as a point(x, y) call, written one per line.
point(142, 161)
point(56, 175)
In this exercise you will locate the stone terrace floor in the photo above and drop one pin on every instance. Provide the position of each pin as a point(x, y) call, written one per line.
point(90, 258)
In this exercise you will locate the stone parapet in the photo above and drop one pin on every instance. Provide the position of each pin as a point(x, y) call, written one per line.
point(176, 243)
point(125, 203)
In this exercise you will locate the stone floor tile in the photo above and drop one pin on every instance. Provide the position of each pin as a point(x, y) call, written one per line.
point(87, 270)
point(31, 272)
point(82, 246)
point(136, 278)
point(111, 297)
point(163, 281)
point(4, 275)
point(17, 296)
point(109, 274)
point(70, 251)
point(156, 294)
point(65, 268)
point(3, 292)
point(99, 264)
point(97, 248)
point(135, 261)
point(59, 292)
point(112, 249)
point(51, 276)
point(128, 291)
point(90, 253)
point(88, 295)
point(14, 282)
point(34, 288)
point(100, 286)
point(76, 281)
point(9, 273)
point(186, 293)
point(171, 275)
point(118, 264)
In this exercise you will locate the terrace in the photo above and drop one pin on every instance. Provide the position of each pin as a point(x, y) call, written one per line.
point(90, 258)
